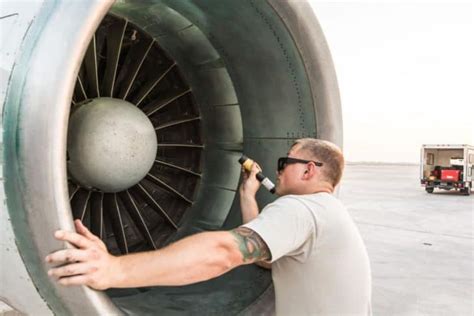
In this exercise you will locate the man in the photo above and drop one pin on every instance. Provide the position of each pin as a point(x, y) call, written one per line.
point(318, 259)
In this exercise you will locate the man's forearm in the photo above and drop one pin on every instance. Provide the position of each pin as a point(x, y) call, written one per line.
point(196, 258)
point(249, 207)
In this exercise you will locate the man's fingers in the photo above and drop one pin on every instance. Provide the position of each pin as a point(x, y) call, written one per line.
point(245, 174)
point(75, 280)
point(81, 229)
point(255, 169)
point(71, 269)
point(74, 238)
point(257, 166)
point(68, 255)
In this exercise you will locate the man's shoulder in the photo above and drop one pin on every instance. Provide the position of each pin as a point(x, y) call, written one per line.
point(320, 196)
point(287, 200)
point(284, 205)
point(291, 204)
point(315, 202)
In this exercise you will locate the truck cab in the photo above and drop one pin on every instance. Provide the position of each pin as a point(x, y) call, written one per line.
point(447, 167)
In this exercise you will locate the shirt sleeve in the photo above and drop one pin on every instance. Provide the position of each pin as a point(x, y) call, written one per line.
point(284, 225)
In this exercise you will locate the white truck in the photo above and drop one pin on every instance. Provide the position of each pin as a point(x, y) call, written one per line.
point(447, 167)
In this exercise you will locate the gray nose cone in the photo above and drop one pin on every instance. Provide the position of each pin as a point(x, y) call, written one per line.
point(111, 144)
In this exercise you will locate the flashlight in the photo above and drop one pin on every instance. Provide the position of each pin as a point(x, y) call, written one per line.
point(247, 163)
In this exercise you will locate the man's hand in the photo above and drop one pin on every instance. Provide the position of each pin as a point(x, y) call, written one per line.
point(89, 264)
point(250, 184)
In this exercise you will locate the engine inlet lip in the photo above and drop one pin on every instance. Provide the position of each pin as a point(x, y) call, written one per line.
point(35, 117)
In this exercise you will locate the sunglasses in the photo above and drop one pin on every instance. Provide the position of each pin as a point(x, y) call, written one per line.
point(284, 161)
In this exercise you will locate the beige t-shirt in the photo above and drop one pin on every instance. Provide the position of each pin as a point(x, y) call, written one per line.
point(320, 264)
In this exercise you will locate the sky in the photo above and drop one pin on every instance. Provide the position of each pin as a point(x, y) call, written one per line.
point(406, 74)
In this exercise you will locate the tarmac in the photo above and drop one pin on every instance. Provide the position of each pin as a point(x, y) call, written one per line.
point(420, 245)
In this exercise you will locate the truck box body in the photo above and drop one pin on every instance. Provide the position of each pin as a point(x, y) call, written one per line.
point(447, 167)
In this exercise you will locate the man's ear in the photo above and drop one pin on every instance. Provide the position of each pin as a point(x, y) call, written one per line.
point(309, 172)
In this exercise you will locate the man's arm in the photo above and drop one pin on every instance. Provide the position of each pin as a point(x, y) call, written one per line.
point(193, 259)
point(249, 208)
point(250, 240)
point(251, 245)
point(247, 191)
point(248, 203)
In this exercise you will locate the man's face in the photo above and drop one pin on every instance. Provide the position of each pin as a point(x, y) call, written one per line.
point(289, 180)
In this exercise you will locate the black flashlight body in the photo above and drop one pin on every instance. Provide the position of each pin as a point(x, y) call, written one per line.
point(247, 163)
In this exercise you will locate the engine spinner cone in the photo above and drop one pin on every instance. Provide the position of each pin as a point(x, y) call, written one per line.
point(111, 144)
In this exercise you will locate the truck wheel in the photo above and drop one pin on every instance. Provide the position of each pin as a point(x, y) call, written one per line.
point(429, 190)
point(466, 191)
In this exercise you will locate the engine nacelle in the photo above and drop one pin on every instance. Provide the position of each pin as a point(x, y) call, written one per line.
point(213, 79)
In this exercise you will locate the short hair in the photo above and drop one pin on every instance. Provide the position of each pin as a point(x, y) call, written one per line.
point(326, 152)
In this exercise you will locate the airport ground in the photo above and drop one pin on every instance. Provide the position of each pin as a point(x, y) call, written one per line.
point(421, 246)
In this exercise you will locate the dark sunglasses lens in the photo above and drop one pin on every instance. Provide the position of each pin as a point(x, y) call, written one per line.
point(281, 163)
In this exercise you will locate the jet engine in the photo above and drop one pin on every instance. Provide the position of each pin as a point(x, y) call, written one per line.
point(131, 116)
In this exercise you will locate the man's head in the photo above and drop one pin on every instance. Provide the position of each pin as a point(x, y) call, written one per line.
point(317, 167)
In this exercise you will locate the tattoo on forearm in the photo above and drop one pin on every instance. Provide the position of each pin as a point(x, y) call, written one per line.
point(251, 245)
